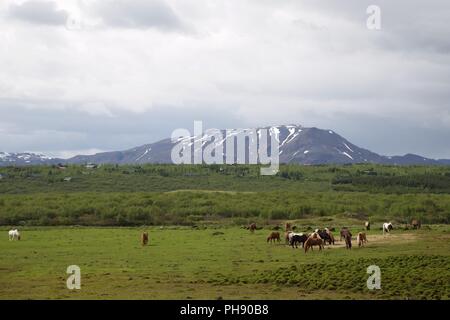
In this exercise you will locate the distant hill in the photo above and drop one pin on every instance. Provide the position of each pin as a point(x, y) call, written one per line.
point(297, 145)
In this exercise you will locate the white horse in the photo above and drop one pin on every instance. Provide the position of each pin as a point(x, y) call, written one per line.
point(387, 226)
point(14, 235)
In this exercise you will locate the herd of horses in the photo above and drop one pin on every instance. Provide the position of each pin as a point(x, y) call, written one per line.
point(318, 238)
point(321, 237)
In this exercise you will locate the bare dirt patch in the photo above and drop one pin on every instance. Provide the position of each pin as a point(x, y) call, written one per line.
point(378, 238)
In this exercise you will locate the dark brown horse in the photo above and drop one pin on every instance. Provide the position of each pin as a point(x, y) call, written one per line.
point(347, 236)
point(144, 238)
point(342, 232)
point(273, 236)
point(252, 227)
point(298, 238)
point(326, 235)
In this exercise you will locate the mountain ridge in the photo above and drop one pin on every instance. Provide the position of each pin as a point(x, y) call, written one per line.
point(297, 144)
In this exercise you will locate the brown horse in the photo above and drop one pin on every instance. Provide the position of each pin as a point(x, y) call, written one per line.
point(252, 227)
point(288, 227)
point(313, 242)
point(416, 224)
point(347, 236)
point(342, 232)
point(273, 236)
point(144, 238)
point(361, 238)
point(330, 234)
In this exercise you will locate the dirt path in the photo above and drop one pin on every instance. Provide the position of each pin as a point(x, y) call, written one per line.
point(378, 238)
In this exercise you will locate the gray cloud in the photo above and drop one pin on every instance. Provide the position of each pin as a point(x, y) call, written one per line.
point(141, 14)
point(115, 85)
point(38, 12)
point(36, 126)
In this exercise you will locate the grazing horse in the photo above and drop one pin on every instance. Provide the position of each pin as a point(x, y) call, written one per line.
point(310, 242)
point(252, 227)
point(296, 238)
point(416, 224)
point(361, 239)
point(144, 238)
point(387, 227)
point(347, 235)
point(367, 225)
point(14, 235)
point(273, 236)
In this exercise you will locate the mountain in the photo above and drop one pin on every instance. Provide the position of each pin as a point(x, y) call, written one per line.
point(21, 159)
point(297, 144)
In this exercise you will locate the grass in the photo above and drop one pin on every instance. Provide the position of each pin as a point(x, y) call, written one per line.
point(221, 262)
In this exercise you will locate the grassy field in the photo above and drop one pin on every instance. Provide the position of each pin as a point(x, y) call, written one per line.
point(221, 263)
point(93, 217)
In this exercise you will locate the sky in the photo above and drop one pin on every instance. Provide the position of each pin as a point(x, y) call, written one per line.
point(84, 76)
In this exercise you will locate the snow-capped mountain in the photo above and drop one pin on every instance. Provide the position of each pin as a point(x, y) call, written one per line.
point(25, 158)
point(297, 144)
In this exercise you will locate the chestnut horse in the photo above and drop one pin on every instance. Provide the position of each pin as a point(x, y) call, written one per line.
point(313, 242)
point(347, 235)
point(361, 238)
point(273, 236)
point(252, 227)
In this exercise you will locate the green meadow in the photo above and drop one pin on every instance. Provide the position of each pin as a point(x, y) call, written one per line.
point(220, 263)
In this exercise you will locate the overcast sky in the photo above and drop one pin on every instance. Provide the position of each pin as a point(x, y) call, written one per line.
point(81, 76)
